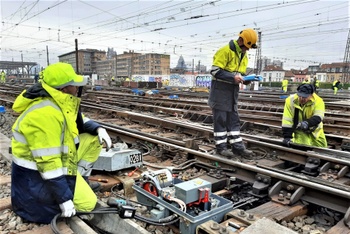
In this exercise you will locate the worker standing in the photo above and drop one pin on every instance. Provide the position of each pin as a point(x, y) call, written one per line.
point(335, 86)
point(3, 77)
point(229, 64)
point(302, 118)
point(54, 147)
point(284, 85)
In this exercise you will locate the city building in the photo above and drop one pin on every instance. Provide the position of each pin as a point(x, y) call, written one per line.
point(87, 59)
point(118, 65)
point(273, 73)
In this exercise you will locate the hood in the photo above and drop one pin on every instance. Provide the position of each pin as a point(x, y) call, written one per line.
point(28, 96)
point(35, 91)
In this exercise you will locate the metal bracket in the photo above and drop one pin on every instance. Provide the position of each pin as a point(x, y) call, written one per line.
point(311, 166)
point(333, 171)
point(286, 193)
point(261, 185)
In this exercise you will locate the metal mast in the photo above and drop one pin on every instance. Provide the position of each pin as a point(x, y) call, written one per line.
point(258, 61)
point(346, 75)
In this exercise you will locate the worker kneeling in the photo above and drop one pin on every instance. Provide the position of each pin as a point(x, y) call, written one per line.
point(54, 147)
point(302, 118)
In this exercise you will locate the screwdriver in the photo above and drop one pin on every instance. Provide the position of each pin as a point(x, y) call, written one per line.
point(99, 180)
point(132, 172)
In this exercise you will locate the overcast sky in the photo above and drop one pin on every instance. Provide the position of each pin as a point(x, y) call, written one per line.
point(299, 33)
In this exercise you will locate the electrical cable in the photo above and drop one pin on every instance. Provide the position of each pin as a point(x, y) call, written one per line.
point(161, 222)
point(120, 196)
point(111, 210)
point(2, 120)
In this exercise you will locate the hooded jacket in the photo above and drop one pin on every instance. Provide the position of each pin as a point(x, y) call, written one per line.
point(44, 147)
point(312, 112)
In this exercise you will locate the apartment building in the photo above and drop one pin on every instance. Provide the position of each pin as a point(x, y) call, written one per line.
point(122, 65)
point(87, 59)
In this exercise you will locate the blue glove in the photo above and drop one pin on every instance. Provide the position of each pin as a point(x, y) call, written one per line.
point(287, 141)
point(304, 126)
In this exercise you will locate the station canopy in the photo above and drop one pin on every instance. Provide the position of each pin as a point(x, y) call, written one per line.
point(10, 65)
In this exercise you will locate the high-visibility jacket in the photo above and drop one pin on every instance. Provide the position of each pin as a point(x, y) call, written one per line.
point(305, 82)
point(284, 83)
point(44, 147)
point(3, 76)
point(312, 112)
point(336, 84)
point(228, 61)
point(317, 83)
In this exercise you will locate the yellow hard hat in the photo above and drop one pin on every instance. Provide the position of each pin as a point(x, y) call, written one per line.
point(250, 37)
point(60, 75)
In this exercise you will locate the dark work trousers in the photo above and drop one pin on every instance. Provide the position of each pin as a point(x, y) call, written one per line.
point(226, 129)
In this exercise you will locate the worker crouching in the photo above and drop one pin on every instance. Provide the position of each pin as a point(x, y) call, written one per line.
point(53, 147)
point(302, 118)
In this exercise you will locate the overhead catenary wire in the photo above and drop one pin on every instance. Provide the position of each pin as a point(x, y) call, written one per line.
point(187, 45)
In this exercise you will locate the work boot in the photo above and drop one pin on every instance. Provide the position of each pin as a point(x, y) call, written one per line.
point(239, 149)
point(225, 152)
point(95, 186)
point(245, 153)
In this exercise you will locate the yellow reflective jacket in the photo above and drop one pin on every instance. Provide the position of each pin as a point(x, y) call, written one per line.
point(44, 169)
point(227, 62)
point(45, 134)
point(314, 107)
point(228, 59)
point(284, 83)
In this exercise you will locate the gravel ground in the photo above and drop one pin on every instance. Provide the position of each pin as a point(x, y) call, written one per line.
point(10, 223)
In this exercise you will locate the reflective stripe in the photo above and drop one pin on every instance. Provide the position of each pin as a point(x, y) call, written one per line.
point(46, 151)
point(218, 134)
point(287, 119)
point(287, 125)
point(218, 142)
point(76, 140)
point(233, 133)
point(225, 81)
point(53, 174)
point(214, 70)
point(231, 141)
point(25, 163)
point(19, 137)
point(64, 149)
point(85, 164)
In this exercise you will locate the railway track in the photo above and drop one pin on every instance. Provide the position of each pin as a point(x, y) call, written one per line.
point(279, 183)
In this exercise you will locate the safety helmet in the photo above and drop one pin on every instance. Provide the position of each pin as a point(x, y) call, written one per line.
point(249, 37)
point(59, 75)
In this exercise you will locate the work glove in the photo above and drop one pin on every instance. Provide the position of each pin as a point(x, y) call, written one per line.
point(67, 209)
point(104, 137)
point(304, 126)
point(287, 141)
